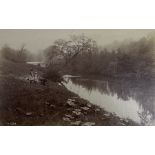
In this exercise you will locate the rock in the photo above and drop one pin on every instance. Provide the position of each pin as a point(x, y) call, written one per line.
point(47, 103)
point(85, 108)
point(59, 84)
point(71, 102)
point(121, 124)
point(29, 113)
point(88, 123)
point(69, 116)
point(126, 120)
point(12, 123)
point(76, 123)
point(77, 112)
point(66, 119)
point(89, 105)
point(97, 109)
point(51, 105)
point(107, 114)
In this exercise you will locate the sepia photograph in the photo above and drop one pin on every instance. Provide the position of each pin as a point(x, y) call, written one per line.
point(79, 77)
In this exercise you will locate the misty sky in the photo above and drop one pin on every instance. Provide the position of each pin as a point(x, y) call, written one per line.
point(36, 40)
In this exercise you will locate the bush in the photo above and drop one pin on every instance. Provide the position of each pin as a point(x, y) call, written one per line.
point(52, 74)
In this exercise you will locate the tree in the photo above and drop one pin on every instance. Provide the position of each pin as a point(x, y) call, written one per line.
point(83, 49)
point(70, 49)
point(14, 55)
point(21, 54)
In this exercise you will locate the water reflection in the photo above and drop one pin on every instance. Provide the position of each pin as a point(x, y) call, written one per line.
point(126, 98)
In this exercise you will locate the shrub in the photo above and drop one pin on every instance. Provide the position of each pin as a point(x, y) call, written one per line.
point(52, 74)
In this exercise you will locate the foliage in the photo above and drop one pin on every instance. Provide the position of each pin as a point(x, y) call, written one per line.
point(70, 49)
point(83, 56)
point(13, 55)
point(52, 74)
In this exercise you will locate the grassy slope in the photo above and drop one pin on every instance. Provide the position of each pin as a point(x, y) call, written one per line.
point(25, 104)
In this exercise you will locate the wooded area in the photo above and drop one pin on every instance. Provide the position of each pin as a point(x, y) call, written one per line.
point(83, 56)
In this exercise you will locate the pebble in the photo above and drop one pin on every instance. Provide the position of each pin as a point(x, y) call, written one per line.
point(47, 103)
point(88, 123)
point(97, 109)
point(12, 123)
point(52, 105)
point(59, 84)
point(126, 120)
point(106, 115)
point(121, 124)
point(76, 123)
point(71, 102)
point(89, 105)
point(66, 119)
point(69, 116)
point(77, 112)
point(85, 108)
point(29, 113)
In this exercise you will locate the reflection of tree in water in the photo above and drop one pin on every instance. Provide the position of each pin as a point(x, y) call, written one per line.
point(142, 91)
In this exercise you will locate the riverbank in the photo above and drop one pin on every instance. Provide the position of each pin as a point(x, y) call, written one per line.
point(52, 104)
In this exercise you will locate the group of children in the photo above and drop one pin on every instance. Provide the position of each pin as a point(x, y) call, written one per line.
point(33, 77)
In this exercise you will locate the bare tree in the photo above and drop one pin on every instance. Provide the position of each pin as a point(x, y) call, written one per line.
point(21, 53)
point(77, 45)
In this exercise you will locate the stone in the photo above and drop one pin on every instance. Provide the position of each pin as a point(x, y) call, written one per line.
point(107, 115)
point(78, 110)
point(89, 105)
point(69, 116)
point(88, 123)
point(76, 123)
point(66, 119)
point(97, 110)
point(29, 113)
point(71, 102)
point(12, 123)
point(77, 113)
point(47, 103)
point(51, 105)
point(85, 108)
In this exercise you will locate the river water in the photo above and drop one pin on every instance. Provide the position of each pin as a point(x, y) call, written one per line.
point(130, 99)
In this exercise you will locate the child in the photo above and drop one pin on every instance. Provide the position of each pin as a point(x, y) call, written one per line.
point(36, 77)
point(31, 76)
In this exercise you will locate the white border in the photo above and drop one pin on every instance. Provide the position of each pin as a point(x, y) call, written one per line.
point(77, 140)
point(80, 14)
point(77, 14)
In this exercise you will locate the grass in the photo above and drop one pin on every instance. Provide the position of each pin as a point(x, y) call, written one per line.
point(35, 104)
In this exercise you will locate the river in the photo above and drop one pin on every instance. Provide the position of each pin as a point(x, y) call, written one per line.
point(130, 99)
